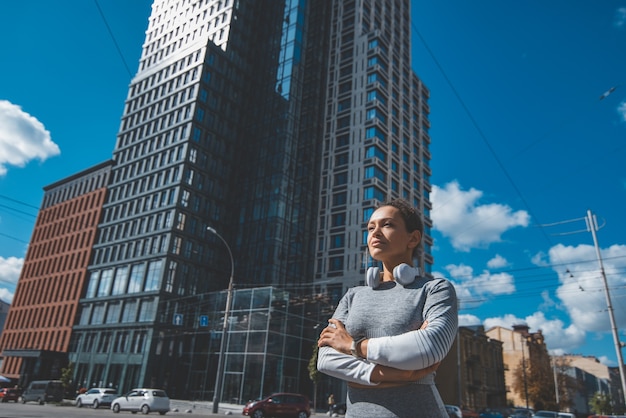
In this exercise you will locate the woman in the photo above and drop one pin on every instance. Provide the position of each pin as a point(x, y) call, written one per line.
point(387, 338)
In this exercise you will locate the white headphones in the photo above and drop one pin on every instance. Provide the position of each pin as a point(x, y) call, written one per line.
point(403, 273)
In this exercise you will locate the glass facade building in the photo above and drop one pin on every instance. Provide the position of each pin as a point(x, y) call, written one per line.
point(281, 125)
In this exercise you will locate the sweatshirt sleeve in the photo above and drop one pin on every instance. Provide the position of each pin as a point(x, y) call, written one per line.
point(340, 365)
point(344, 366)
point(415, 350)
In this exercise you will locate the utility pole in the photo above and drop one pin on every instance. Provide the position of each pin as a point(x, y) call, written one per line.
point(592, 225)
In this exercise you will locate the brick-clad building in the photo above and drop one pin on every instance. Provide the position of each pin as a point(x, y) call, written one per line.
point(36, 335)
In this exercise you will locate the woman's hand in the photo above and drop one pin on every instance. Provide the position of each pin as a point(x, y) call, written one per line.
point(335, 336)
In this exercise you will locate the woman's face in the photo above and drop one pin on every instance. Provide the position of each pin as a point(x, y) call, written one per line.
point(387, 238)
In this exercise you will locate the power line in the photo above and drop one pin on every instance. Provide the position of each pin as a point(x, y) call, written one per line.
point(119, 51)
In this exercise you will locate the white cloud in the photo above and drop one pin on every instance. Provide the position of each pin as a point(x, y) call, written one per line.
point(472, 290)
point(22, 138)
point(10, 269)
point(620, 17)
point(458, 216)
point(558, 337)
point(9, 274)
point(467, 320)
point(6, 295)
point(540, 259)
point(621, 110)
point(582, 292)
point(497, 262)
point(506, 321)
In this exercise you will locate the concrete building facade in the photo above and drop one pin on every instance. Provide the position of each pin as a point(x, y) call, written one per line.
point(472, 374)
point(522, 350)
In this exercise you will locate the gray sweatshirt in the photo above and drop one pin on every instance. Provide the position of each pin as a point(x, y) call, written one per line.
point(390, 316)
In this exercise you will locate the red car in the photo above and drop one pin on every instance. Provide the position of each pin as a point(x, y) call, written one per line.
point(287, 405)
point(8, 394)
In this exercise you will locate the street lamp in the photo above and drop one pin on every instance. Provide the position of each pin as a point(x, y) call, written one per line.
point(220, 363)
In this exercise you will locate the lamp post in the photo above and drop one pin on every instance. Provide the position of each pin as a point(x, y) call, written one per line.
point(220, 363)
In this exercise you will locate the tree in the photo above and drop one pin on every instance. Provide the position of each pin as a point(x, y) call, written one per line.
point(314, 374)
point(67, 373)
point(533, 377)
point(600, 404)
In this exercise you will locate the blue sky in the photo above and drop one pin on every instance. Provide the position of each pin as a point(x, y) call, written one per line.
point(522, 144)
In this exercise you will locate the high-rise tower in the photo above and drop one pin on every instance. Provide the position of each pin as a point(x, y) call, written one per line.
point(376, 135)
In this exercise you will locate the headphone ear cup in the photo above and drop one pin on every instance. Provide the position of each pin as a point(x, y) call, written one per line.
point(405, 274)
point(372, 277)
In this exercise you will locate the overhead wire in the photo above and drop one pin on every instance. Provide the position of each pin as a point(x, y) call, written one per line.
point(487, 143)
point(117, 47)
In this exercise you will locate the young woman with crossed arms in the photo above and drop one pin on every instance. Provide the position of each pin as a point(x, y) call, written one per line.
point(386, 339)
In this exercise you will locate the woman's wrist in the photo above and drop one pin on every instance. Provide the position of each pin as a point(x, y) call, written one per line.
point(355, 348)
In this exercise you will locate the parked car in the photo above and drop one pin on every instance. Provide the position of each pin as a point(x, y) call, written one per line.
point(284, 405)
point(522, 413)
point(566, 415)
point(546, 414)
point(43, 391)
point(468, 413)
point(96, 397)
point(9, 394)
point(454, 411)
point(142, 400)
point(488, 413)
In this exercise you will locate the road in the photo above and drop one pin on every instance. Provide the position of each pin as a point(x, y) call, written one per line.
point(66, 410)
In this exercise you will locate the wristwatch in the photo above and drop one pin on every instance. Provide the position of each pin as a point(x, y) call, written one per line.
point(354, 347)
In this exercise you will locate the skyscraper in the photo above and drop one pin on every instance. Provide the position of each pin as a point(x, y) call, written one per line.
point(279, 124)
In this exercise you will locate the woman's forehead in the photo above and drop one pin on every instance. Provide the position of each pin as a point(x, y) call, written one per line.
point(385, 212)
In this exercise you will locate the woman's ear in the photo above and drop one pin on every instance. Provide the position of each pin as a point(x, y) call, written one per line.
point(414, 239)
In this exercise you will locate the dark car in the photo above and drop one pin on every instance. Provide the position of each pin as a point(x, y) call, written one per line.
point(8, 394)
point(468, 413)
point(279, 405)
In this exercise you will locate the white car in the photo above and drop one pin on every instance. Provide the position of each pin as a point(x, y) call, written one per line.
point(142, 400)
point(96, 397)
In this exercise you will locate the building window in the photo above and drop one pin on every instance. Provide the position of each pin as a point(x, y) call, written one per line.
point(336, 263)
point(337, 241)
point(105, 283)
point(93, 284)
point(98, 314)
point(341, 179)
point(153, 278)
point(373, 192)
point(147, 310)
point(374, 132)
point(121, 279)
point(374, 172)
point(339, 219)
point(130, 311)
point(375, 152)
point(136, 278)
point(339, 199)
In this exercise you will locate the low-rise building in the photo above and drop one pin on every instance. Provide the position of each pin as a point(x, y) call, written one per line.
point(472, 375)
